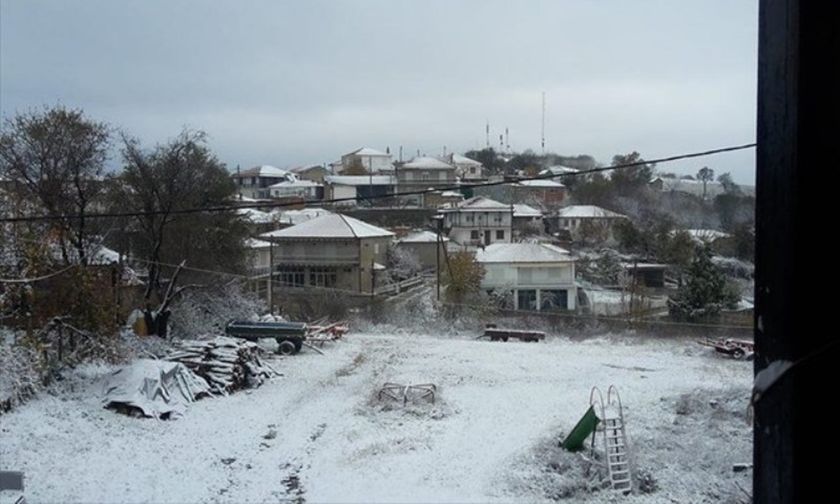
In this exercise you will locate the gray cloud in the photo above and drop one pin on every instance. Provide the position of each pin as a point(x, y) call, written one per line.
point(298, 82)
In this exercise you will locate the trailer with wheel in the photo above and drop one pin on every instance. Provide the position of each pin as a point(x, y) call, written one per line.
point(290, 336)
point(735, 348)
point(496, 334)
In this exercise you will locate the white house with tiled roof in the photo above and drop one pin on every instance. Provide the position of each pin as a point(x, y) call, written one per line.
point(372, 160)
point(333, 251)
point(465, 168)
point(424, 173)
point(479, 221)
point(254, 182)
point(537, 276)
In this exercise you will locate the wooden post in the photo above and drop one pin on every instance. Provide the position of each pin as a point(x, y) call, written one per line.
point(796, 136)
point(270, 292)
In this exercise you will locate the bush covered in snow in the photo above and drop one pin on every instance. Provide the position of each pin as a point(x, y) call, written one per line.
point(20, 377)
point(207, 311)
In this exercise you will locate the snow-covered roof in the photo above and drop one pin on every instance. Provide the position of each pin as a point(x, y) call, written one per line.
point(422, 237)
point(559, 170)
point(367, 151)
point(330, 226)
point(451, 194)
point(464, 161)
point(588, 211)
point(478, 204)
point(294, 183)
point(545, 183)
point(301, 169)
point(298, 216)
point(263, 171)
point(255, 216)
point(521, 210)
point(427, 163)
point(359, 180)
point(707, 235)
point(522, 253)
point(253, 243)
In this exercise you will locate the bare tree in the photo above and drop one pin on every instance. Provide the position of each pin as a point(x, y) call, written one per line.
point(157, 184)
point(56, 157)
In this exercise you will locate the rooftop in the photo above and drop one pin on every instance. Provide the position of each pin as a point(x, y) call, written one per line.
point(588, 211)
point(330, 226)
point(522, 253)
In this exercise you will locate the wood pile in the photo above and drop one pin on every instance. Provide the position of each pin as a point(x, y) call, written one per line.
point(228, 364)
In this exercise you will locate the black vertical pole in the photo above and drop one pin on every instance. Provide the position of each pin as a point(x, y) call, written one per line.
point(797, 101)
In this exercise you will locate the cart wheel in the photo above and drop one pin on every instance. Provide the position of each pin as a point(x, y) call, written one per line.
point(286, 347)
point(504, 338)
point(739, 353)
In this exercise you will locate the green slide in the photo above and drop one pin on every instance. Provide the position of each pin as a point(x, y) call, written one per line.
point(585, 426)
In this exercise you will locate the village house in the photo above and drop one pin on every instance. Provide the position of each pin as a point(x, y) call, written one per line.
point(315, 173)
point(527, 220)
point(468, 170)
point(531, 276)
point(541, 191)
point(333, 251)
point(478, 221)
point(295, 187)
point(372, 160)
point(586, 222)
point(426, 247)
point(255, 182)
point(357, 186)
point(437, 199)
point(424, 173)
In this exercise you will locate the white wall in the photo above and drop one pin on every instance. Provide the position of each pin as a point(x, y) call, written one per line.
point(536, 276)
point(343, 191)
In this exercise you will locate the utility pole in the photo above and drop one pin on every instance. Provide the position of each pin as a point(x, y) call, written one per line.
point(270, 278)
point(439, 219)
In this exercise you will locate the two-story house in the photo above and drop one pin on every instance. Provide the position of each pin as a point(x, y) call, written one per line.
point(333, 251)
point(535, 276)
point(424, 173)
point(468, 170)
point(255, 182)
point(372, 160)
point(479, 221)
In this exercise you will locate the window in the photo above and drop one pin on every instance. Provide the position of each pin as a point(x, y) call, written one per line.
point(470, 218)
point(500, 235)
point(322, 277)
point(294, 277)
point(554, 300)
point(474, 234)
point(526, 300)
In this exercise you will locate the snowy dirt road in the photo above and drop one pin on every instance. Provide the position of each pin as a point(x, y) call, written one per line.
point(319, 434)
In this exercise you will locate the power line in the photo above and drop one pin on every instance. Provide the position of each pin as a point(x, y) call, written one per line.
point(227, 208)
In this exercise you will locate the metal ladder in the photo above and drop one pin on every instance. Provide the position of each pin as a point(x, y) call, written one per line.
point(615, 439)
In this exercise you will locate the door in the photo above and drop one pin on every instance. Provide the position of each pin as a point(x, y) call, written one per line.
point(487, 237)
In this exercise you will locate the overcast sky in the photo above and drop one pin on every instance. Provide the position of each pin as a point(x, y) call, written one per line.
point(290, 83)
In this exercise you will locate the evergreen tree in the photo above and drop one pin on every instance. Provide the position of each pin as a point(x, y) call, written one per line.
point(705, 292)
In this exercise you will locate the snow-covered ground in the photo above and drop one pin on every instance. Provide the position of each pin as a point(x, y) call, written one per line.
point(318, 433)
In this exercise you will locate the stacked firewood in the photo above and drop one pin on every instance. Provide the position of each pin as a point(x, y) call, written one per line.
point(228, 364)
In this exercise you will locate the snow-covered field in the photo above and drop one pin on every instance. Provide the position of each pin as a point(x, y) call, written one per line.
point(319, 434)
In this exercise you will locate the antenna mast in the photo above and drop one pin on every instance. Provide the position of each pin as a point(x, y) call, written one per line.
point(542, 144)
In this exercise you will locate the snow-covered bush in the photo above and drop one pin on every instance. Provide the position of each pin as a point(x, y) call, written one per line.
point(20, 377)
point(402, 263)
point(208, 310)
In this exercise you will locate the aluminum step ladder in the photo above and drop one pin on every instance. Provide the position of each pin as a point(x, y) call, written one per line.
point(615, 440)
